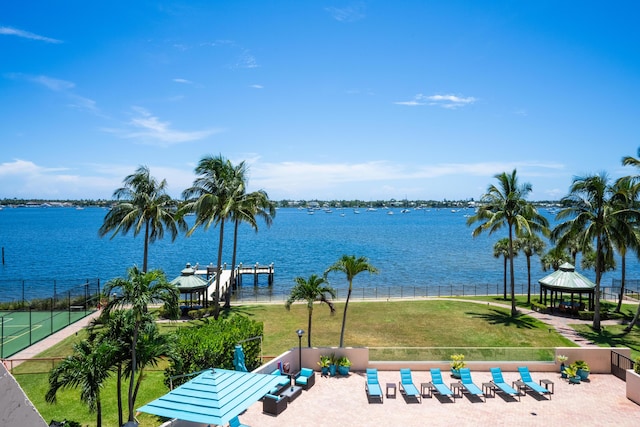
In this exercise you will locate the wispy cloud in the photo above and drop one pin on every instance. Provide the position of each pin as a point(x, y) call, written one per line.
point(256, 86)
point(445, 101)
point(351, 13)
point(9, 31)
point(242, 57)
point(149, 129)
point(183, 81)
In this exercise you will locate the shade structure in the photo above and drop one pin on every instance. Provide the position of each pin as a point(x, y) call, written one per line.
point(213, 397)
point(566, 280)
point(190, 284)
point(238, 359)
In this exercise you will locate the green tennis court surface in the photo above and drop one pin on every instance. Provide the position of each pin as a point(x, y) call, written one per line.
point(20, 329)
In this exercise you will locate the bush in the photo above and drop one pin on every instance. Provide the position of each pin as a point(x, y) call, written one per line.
point(636, 366)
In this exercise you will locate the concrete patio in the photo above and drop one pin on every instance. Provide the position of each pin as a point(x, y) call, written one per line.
point(342, 401)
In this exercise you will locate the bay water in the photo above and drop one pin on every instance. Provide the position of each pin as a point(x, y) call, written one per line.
point(423, 247)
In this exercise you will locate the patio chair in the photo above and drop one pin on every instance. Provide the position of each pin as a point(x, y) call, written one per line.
point(406, 385)
point(235, 422)
point(498, 381)
point(306, 378)
point(529, 383)
point(439, 385)
point(467, 383)
point(284, 382)
point(372, 385)
point(274, 405)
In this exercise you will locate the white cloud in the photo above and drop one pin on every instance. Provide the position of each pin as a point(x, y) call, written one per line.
point(183, 81)
point(256, 86)
point(27, 35)
point(149, 129)
point(444, 101)
point(56, 85)
point(351, 13)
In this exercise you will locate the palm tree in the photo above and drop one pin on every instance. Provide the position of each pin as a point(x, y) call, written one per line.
point(212, 197)
point(350, 266)
point(501, 249)
point(143, 204)
point(87, 368)
point(311, 290)
point(554, 258)
point(135, 294)
point(506, 205)
point(248, 207)
point(596, 215)
point(632, 161)
point(530, 245)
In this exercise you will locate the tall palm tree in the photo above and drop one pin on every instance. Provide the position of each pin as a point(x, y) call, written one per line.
point(143, 204)
point(351, 267)
point(632, 161)
point(501, 249)
point(530, 245)
point(595, 215)
point(311, 290)
point(135, 293)
point(506, 205)
point(87, 368)
point(554, 258)
point(212, 198)
point(248, 208)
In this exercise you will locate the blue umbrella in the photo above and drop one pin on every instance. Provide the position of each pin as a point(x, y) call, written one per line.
point(238, 359)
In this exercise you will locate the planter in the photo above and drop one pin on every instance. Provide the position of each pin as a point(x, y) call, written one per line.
point(343, 370)
point(574, 380)
point(455, 373)
point(563, 374)
point(583, 374)
point(332, 370)
point(324, 371)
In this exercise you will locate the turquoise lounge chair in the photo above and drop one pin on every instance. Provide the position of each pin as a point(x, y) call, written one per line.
point(498, 381)
point(439, 385)
point(529, 383)
point(235, 422)
point(406, 385)
point(467, 383)
point(372, 386)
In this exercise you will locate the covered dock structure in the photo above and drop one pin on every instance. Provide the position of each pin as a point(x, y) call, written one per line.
point(567, 290)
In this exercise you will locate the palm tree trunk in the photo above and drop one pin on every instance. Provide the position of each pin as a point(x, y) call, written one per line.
point(634, 321)
point(133, 370)
point(119, 387)
point(344, 316)
point(309, 328)
point(504, 278)
point(98, 413)
point(596, 313)
point(232, 280)
point(513, 277)
point(623, 267)
point(216, 308)
point(146, 247)
point(528, 279)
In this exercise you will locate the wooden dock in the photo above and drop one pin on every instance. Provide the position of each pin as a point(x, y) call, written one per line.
point(255, 270)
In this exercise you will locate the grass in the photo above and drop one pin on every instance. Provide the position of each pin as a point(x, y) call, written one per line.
point(438, 323)
point(612, 336)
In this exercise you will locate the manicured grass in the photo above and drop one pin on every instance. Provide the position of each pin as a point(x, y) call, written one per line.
point(612, 336)
point(438, 323)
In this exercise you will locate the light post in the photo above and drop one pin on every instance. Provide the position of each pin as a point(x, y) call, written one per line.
point(300, 332)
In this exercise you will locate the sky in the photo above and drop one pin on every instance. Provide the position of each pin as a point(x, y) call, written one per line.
point(330, 100)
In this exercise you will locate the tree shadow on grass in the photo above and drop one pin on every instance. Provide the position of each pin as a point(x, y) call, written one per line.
point(498, 317)
point(607, 338)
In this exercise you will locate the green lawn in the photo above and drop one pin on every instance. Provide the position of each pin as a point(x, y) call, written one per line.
point(439, 323)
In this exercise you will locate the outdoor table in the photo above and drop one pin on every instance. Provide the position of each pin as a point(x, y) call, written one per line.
point(291, 393)
point(391, 387)
point(457, 389)
point(428, 387)
point(520, 386)
point(489, 389)
point(548, 383)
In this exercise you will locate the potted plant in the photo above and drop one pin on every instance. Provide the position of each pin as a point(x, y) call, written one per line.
point(324, 363)
point(332, 365)
point(583, 369)
point(457, 363)
point(562, 358)
point(343, 365)
point(572, 373)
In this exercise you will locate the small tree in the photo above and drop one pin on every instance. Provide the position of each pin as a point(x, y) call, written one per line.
point(311, 290)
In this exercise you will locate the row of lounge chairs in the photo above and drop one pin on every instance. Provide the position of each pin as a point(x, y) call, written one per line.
point(466, 384)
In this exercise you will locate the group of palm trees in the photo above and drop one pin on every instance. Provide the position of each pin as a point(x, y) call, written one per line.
point(317, 289)
point(599, 218)
point(125, 338)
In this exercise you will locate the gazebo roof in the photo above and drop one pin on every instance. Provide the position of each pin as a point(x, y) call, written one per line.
point(567, 279)
point(188, 281)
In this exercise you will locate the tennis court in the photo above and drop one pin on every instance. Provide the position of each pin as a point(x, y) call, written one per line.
point(20, 329)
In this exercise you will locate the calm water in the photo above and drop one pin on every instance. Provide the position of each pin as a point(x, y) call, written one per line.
point(419, 248)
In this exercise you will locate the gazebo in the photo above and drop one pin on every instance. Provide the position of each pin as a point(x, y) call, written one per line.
point(188, 283)
point(566, 281)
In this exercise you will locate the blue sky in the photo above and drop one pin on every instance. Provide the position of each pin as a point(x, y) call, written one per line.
point(322, 99)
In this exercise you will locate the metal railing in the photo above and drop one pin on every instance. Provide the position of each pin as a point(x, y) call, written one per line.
point(619, 365)
point(471, 354)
